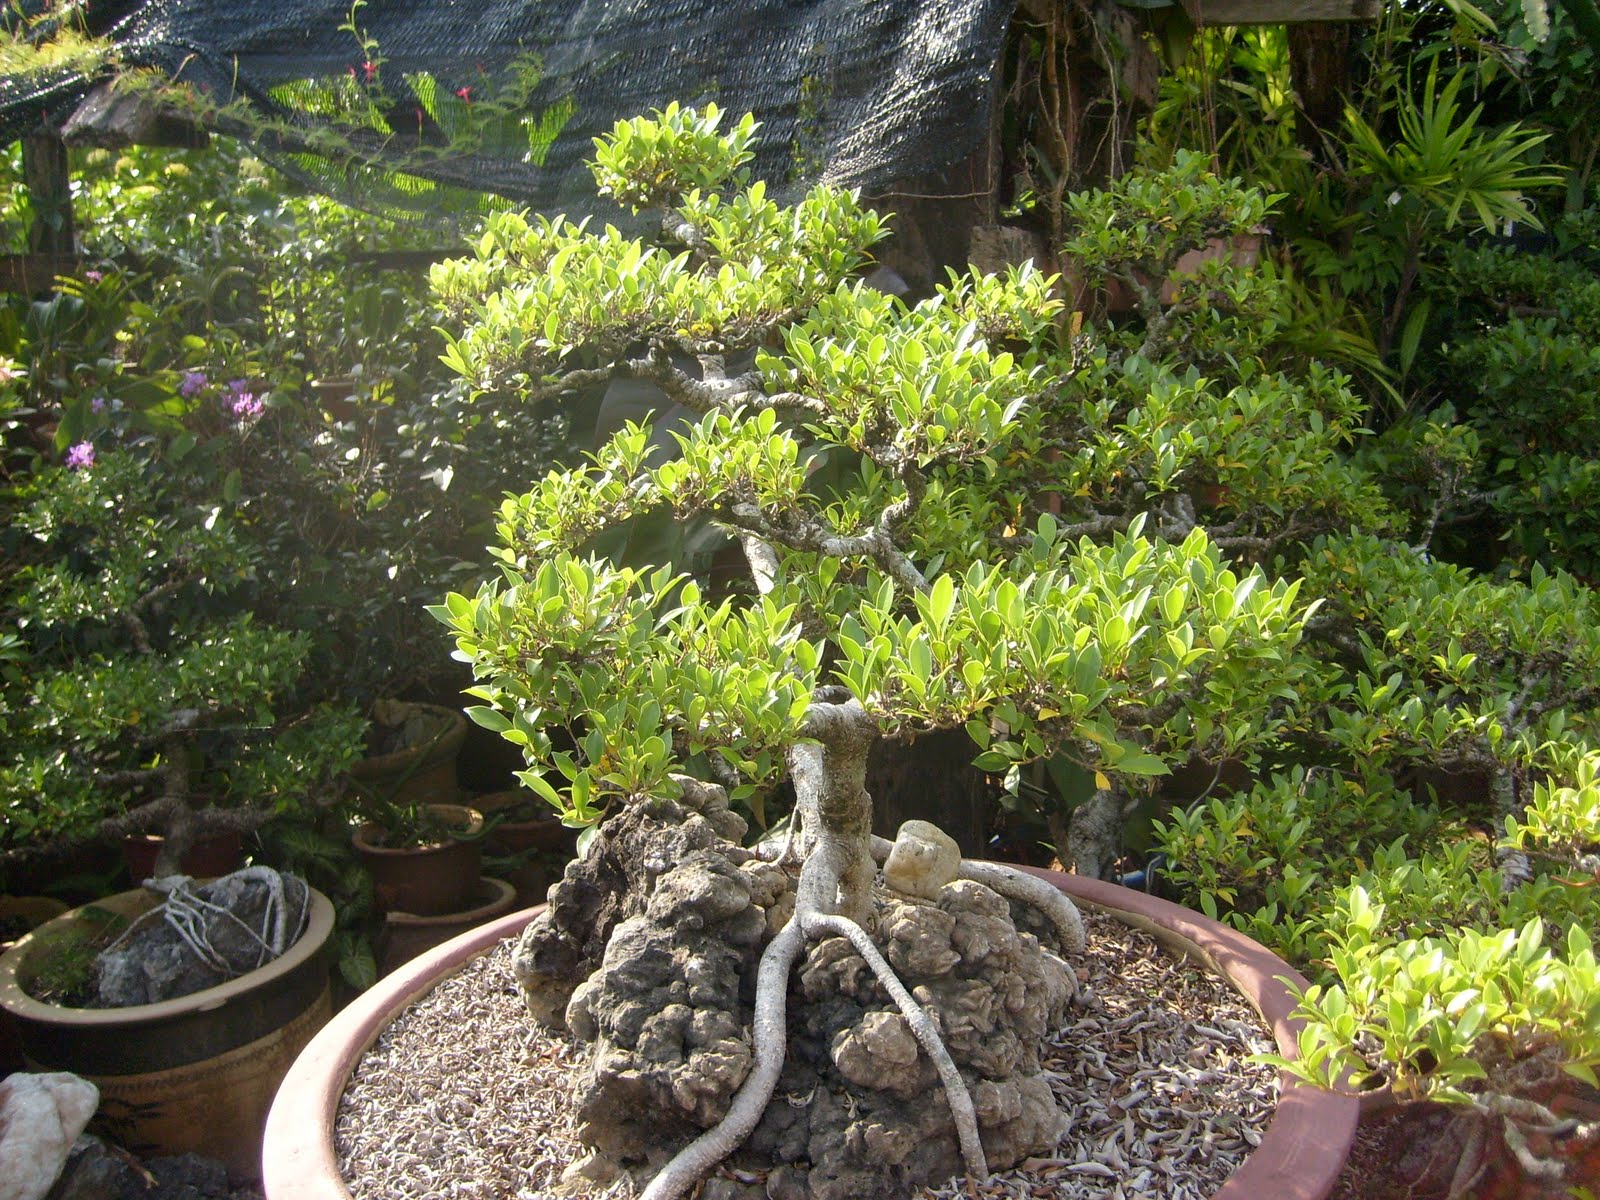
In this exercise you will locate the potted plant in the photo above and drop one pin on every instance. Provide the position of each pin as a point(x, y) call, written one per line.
point(858, 463)
point(143, 695)
point(424, 859)
point(191, 1073)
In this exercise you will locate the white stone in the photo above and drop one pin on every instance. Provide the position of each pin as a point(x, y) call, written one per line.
point(923, 860)
point(41, 1115)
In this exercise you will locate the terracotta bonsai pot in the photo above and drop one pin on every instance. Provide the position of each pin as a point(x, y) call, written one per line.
point(543, 832)
point(193, 1074)
point(207, 858)
point(1299, 1158)
point(427, 881)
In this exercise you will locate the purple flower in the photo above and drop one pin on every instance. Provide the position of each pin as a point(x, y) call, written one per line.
point(191, 383)
point(238, 386)
point(98, 404)
point(81, 456)
point(94, 276)
point(246, 407)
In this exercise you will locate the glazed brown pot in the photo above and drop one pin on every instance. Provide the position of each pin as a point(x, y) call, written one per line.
point(430, 880)
point(197, 1073)
point(1299, 1157)
point(418, 774)
point(31, 912)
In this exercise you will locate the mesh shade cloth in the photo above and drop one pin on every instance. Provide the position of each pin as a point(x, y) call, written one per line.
point(850, 92)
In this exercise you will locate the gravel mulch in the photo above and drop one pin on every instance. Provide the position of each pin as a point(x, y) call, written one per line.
point(462, 1098)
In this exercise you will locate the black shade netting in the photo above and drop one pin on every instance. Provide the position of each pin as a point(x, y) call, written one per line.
point(506, 96)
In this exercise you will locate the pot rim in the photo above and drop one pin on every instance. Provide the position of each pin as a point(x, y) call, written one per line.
point(491, 891)
point(470, 818)
point(444, 745)
point(1299, 1158)
point(319, 928)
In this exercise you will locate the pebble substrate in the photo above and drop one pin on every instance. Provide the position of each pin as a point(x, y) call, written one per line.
point(461, 1097)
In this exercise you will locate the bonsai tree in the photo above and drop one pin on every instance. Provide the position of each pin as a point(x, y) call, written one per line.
point(140, 698)
point(857, 447)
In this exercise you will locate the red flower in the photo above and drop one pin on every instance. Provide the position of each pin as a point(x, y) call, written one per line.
point(465, 93)
point(370, 68)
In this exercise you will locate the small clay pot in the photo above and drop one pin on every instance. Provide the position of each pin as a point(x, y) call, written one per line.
point(426, 881)
point(420, 774)
point(406, 935)
point(542, 832)
point(209, 857)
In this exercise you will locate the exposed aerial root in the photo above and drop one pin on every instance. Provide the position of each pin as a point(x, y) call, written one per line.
point(955, 1088)
point(1514, 1113)
point(1056, 906)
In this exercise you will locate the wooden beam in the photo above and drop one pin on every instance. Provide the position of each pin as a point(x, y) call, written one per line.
point(116, 119)
point(1279, 12)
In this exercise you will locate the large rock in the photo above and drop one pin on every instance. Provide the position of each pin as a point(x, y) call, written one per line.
point(614, 881)
point(41, 1115)
point(874, 1121)
point(664, 1011)
point(98, 1170)
point(225, 931)
point(665, 998)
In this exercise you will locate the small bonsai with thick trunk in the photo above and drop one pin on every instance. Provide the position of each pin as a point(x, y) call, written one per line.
point(142, 696)
point(843, 437)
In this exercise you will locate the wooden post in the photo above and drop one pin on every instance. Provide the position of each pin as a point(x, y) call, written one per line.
point(44, 170)
point(1319, 65)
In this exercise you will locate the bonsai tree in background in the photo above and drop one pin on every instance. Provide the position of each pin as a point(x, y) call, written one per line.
point(858, 449)
point(1454, 966)
point(139, 696)
point(1199, 409)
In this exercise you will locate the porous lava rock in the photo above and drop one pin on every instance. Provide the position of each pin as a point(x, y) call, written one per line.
point(861, 1111)
point(654, 939)
point(613, 882)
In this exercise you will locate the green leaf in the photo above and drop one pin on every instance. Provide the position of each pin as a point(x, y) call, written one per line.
point(1411, 335)
point(491, 719)
point(1142, 764)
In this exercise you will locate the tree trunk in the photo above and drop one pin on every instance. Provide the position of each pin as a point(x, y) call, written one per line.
point(1319, 66)
point(830, 787)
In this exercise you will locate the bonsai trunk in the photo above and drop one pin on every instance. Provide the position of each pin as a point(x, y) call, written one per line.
point(830, 783)
point(834, 897)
